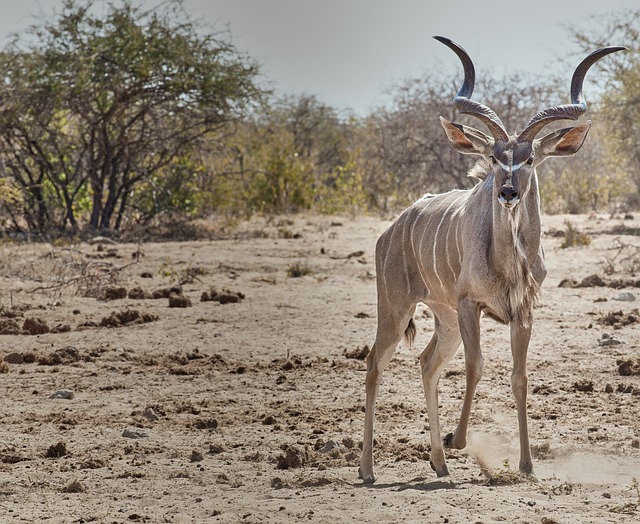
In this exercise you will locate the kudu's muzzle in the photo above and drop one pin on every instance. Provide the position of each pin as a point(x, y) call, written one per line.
point(508, 196)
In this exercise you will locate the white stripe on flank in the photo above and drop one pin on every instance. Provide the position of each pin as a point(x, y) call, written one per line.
point(446, 246)
point(386, 259)
point(419, 259)
point(404, 256)
point(445, 214)
point(458, 245)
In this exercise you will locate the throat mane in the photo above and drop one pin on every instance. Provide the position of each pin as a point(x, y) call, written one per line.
point(522, 291)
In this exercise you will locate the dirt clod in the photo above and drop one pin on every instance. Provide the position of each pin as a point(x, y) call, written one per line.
point(360, 353)
point(176, 300)
point(14, 358)
point(127, 317)
point(165, 292)
point(114, 293)
point(57, 450)
point(74, 487)
point(629, 368)
point(9, 326)
point(619, 319)
point(65, 355)
point(583, 385)
point(137, 293)
point(35, 326)
point(223, 296)
point(293, 457)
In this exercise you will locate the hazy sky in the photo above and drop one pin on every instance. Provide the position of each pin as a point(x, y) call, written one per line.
point(349, 52)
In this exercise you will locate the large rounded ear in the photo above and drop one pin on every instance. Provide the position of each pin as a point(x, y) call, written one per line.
point(564, 142)
point(467, 140)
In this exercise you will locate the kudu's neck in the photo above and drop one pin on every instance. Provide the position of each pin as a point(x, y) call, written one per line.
point(517, 231)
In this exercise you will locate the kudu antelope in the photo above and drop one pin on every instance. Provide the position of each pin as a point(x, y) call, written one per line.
point(468, 252)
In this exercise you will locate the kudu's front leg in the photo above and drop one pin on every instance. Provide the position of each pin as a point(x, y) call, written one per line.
point(520, 337)
point(469, 322)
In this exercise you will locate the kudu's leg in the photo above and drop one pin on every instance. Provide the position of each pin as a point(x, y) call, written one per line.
point(390, 331)
point(469, 322)
point(437, 354)
point(520, 337)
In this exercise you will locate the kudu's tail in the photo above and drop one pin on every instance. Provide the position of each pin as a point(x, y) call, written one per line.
point(410, 332)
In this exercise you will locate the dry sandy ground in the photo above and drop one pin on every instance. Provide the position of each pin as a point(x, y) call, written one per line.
point(252, 411)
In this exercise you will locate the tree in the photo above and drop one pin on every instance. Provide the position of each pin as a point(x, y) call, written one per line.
point(620, 103)
point(293, 154)
point(122, 97)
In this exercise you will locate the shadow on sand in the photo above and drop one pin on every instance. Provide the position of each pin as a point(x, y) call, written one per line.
point(418, 484)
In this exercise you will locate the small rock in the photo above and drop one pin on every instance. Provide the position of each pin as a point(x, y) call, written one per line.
point(196, 456)
point(277, 483)
point(135, 433)
point(150, 414)
point(330, 446)
point(624, 296)
point(65, 394)
point(609, 340)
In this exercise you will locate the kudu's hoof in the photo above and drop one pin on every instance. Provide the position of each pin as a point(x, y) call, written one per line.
point(526, 468)
point(366, 479)
point(444, 471)
point(447, 441)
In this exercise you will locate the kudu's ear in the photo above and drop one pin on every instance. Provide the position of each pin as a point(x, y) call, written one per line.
point(467, 140)
point(564, 142)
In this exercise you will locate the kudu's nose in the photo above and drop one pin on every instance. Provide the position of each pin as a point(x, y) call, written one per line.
point(509, 194)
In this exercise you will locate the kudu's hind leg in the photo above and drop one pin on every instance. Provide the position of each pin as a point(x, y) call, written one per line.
point(434, 358)
point(391, 328)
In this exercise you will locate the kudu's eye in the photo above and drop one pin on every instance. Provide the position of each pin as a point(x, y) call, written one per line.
point(530, 161)
point(493, 159)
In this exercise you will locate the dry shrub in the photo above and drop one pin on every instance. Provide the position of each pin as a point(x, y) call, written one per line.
point(573, 236)
point(298, 269)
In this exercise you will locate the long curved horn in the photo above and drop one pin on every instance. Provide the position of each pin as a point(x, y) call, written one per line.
point(578, 105)
point(462, 101)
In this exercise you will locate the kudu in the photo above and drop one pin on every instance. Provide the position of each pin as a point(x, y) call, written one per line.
point(468, 252)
